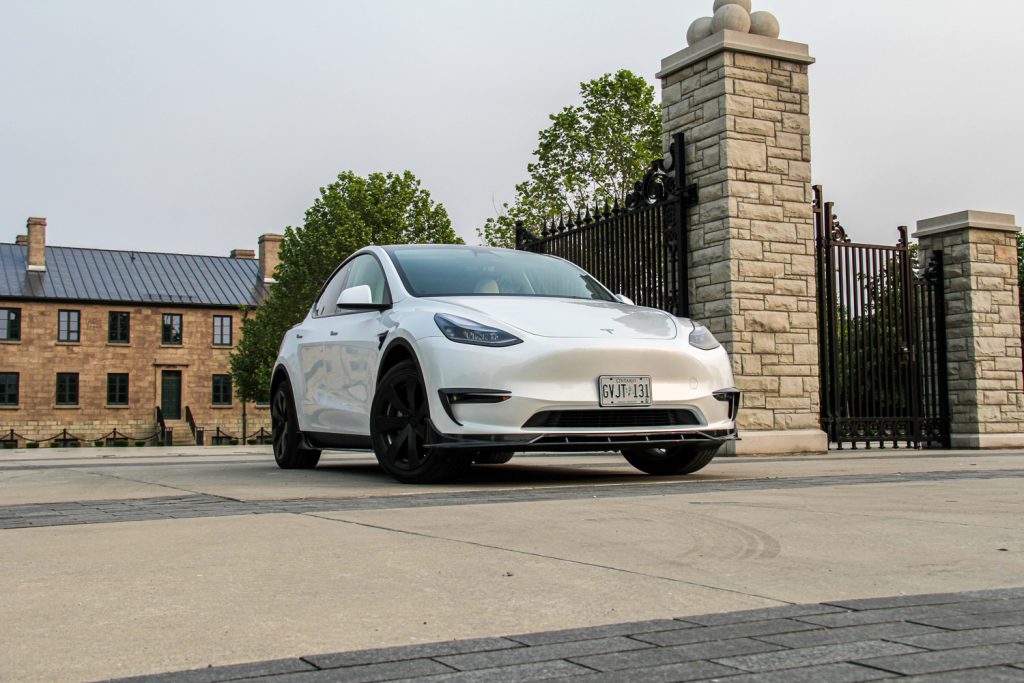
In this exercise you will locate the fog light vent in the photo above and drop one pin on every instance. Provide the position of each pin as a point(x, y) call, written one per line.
point(732, 397)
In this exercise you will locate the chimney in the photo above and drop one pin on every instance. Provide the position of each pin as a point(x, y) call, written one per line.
point(36, 244)
point(21, 240)
point(243, 253)
point(269, 246)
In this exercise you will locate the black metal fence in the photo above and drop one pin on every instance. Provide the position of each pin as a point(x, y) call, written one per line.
point(65, 438)
point(637, 249)
point(882, 340)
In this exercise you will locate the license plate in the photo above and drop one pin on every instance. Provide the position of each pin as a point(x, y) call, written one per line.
point(632, 390)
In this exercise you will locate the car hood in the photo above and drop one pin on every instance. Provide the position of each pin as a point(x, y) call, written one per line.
point(572, 318)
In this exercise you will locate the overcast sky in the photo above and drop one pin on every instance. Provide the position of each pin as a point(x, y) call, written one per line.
point(195, 126)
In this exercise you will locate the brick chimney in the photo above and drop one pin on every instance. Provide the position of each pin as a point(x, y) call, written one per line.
point(37, 244)
point(21, 240)
point(243, 253)
point(269, 244)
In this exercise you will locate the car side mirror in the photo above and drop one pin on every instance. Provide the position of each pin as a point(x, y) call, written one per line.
point(624, 299)
point(360, 295)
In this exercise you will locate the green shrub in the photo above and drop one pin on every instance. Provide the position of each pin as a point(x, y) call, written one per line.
point(32, 444)
point(140, 444)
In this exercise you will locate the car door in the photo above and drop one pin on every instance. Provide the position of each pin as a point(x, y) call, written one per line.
point(351, 351)
point(312, 383)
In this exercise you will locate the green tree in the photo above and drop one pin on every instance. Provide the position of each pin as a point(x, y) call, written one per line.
point(350, 213)
point(590, 153)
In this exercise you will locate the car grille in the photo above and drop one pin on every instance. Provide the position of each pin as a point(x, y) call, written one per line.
point(634, 417)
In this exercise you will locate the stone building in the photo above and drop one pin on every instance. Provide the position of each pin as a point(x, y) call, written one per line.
point(93, 340)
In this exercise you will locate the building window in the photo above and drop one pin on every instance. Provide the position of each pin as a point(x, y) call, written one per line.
point(68, 326)
point(117, 331)
point(222, 390)
point(172, 329)
point(117, 389)
point(222, 330)
point(8, 388)
point(10, 324)
point(67, 388)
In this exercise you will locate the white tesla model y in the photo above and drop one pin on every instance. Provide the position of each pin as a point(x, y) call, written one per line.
point(439, 356)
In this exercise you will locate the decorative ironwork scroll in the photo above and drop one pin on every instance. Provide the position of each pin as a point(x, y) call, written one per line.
point(637, 248)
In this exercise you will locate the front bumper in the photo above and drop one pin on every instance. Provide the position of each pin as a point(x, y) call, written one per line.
point(476, 393)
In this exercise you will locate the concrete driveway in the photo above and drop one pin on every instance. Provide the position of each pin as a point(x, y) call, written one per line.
point(125, 562)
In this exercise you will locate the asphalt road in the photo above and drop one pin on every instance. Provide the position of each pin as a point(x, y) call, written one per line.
point(127, 562)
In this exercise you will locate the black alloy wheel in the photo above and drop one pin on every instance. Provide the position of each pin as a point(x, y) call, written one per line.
point(401, 430)
point(682, 459)
point(289, 451)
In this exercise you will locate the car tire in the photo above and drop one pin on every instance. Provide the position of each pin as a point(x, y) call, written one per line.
point(401, 430)
point(493, 457)
point(685, 459)
point(289, 451)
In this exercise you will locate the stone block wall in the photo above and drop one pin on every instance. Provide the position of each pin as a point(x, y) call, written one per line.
point(752, 265)
point(985, 380)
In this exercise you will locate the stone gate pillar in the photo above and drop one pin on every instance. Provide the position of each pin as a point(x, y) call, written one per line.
point(740, 94)
point(979, 256)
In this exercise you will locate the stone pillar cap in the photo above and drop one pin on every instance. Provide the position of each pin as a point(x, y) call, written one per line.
point(736, 41)
point(961, 220)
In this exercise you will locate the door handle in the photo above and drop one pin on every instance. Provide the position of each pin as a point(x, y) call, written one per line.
point(333, 333)
point(298, 336)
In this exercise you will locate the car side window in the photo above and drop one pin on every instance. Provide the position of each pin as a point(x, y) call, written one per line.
point(364, 270)
point(367, 271)
point(327, 304)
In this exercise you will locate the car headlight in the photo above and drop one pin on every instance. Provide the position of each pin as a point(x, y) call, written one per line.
point(702, 338)
point(466, 331)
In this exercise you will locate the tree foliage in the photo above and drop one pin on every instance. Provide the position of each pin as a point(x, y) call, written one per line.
point(350, 213)
point(590, 153)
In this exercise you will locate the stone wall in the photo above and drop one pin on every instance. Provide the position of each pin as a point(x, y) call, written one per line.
point(982, 326)
point(38, 356)
point(743, 103)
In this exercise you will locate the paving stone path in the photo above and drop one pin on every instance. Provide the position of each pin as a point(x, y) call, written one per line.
point(202, 505)
point(972, 636)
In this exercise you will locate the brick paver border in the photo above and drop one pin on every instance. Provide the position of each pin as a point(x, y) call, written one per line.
point(203, 505)
point(971, 636)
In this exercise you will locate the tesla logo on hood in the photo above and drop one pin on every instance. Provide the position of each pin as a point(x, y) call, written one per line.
point(608, 330)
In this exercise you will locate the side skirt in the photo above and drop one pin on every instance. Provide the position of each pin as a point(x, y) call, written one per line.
point(333, 442)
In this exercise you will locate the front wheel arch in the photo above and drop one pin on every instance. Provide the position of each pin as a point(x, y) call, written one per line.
point(398, 351)
point(280, 375)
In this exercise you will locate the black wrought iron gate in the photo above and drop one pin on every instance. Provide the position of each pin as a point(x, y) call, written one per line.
point(638, 249)
point(881, 330)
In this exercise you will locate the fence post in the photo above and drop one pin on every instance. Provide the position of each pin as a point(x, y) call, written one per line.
point(982, 320)
point(742, 100)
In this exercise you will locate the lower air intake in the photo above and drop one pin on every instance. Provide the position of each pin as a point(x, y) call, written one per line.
point(623, 418)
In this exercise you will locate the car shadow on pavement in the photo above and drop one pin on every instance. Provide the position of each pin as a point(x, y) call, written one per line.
point(514, 474)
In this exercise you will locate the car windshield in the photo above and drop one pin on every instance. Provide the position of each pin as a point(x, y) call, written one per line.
point(440, 271)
